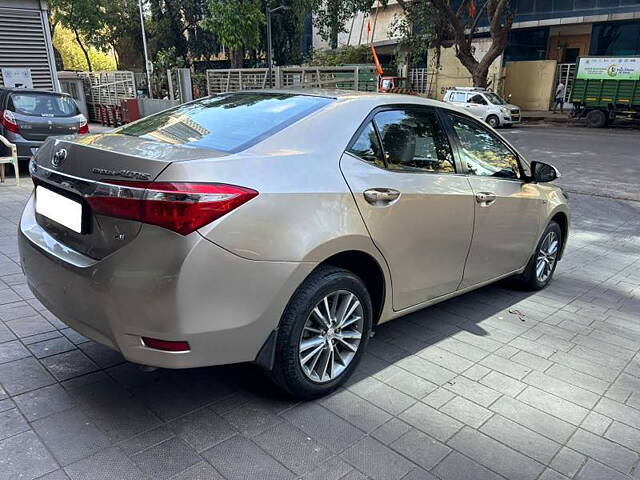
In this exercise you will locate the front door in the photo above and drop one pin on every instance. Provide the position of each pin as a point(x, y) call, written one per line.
point(507, 209)
point(477, 106)
point(418, 210)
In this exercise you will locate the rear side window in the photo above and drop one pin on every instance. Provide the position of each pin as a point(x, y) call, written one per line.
point(413, 141)
point(460, 97)
point(229, 122)
point(42, 105)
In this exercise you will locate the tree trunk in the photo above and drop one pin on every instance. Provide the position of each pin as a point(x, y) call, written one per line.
point(236, 57)
point(84, 50)
point(479, 76)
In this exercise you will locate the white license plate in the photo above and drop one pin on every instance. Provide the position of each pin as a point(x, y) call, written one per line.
point(59, 208)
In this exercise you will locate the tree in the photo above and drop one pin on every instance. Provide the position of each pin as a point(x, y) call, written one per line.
point(431, 24)
point(83, 18)
point(72, 56)
point(464, 22)
point(237, 25)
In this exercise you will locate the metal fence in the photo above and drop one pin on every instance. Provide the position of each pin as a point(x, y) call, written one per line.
point(106, 89)
point(360, 78)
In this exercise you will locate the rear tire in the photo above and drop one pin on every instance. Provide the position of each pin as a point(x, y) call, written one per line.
point(493, 121)
point(542, 265)
point(331, 348)
point(596, 119)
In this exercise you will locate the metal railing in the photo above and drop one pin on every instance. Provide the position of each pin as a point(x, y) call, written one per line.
point(349, 78)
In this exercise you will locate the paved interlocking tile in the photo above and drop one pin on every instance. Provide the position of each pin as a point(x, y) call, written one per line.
point(24, 456)
point(431, 421)
point(166, 459)
point(459, 467)
point(420, 449)
point(293, 448)
point(520, 438)
point(230, 459)
point(534, 419)
point(376, 460)
point(23, 375)
point(466, 411)
point(107, 464)
point(603, 450)
point(70, 435)
point(495, 455)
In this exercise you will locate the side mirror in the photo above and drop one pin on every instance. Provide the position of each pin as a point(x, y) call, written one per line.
point(543, 172)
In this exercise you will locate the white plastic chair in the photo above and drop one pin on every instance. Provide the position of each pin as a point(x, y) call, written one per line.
point(13, 160)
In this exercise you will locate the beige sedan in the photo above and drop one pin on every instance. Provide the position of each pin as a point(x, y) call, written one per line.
point(280, 227)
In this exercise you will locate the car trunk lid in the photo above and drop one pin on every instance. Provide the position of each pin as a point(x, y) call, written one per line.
point(80, 167)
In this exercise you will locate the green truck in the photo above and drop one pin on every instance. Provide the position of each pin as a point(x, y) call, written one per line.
point(606, 88)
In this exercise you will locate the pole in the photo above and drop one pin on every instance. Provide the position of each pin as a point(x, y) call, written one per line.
point(269, 48)
point(146, 54)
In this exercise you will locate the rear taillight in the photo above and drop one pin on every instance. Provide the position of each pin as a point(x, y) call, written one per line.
point(181, 207)
point(8, 120)
point(83, 128)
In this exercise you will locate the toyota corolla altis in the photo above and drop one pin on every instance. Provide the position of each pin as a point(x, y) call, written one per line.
point(280, 227)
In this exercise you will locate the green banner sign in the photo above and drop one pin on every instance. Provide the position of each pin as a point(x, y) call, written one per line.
point(613, 68)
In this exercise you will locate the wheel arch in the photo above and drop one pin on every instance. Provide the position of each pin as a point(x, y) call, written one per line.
point(370, 272)
point(562, 220)
point(364, 265)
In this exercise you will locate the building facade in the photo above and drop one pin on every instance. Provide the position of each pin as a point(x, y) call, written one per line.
point(25, 42)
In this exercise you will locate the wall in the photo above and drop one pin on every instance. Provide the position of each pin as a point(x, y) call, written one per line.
point(356, 28)
point(149, 106)
point(568, 36)
point(530, 83)
point(453, 74)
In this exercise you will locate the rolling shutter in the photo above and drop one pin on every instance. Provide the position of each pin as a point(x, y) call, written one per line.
point(23, 43)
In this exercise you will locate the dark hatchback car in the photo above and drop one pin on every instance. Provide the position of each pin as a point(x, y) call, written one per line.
point(28, 117)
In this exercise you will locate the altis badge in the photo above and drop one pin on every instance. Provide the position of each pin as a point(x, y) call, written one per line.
point(122, 173)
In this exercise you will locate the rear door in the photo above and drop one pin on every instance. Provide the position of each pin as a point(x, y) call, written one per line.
point(418, 210)
point(507, 209)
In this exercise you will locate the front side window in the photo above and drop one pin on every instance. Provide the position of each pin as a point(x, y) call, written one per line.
point(482, 152)
point(43, 104)
point(478, 99)
point(412, 140)
point(495, 99)
point(229, 122)
point(367, 146)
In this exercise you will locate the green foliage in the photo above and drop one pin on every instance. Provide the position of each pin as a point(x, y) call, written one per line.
point(347, 55)
point(72, 56)
point(237, 23)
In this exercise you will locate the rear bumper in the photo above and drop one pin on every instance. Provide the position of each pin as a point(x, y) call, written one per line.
point(165, 286)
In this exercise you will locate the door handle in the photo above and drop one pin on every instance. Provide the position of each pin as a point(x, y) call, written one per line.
point(485, 198)
point(381, 197)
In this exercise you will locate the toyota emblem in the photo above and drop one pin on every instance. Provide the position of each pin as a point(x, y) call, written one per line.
point(58, 157)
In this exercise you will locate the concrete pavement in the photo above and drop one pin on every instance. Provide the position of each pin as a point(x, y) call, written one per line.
point(496, 384)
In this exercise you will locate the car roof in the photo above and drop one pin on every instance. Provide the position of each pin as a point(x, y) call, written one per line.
point(374, 98)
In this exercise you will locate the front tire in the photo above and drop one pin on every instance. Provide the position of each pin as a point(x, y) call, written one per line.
point(542, 265)
point(322, 333)
point(493, 121)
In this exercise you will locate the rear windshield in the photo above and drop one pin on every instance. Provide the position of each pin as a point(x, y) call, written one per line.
point(43, 104)
point(228, 122)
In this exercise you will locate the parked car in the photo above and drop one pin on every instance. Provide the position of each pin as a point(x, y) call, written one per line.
point(486, 105)
point(29, 117)
point(280, 227)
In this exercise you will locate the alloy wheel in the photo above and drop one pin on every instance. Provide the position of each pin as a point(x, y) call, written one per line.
point(331, 336)
point(547, 256)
